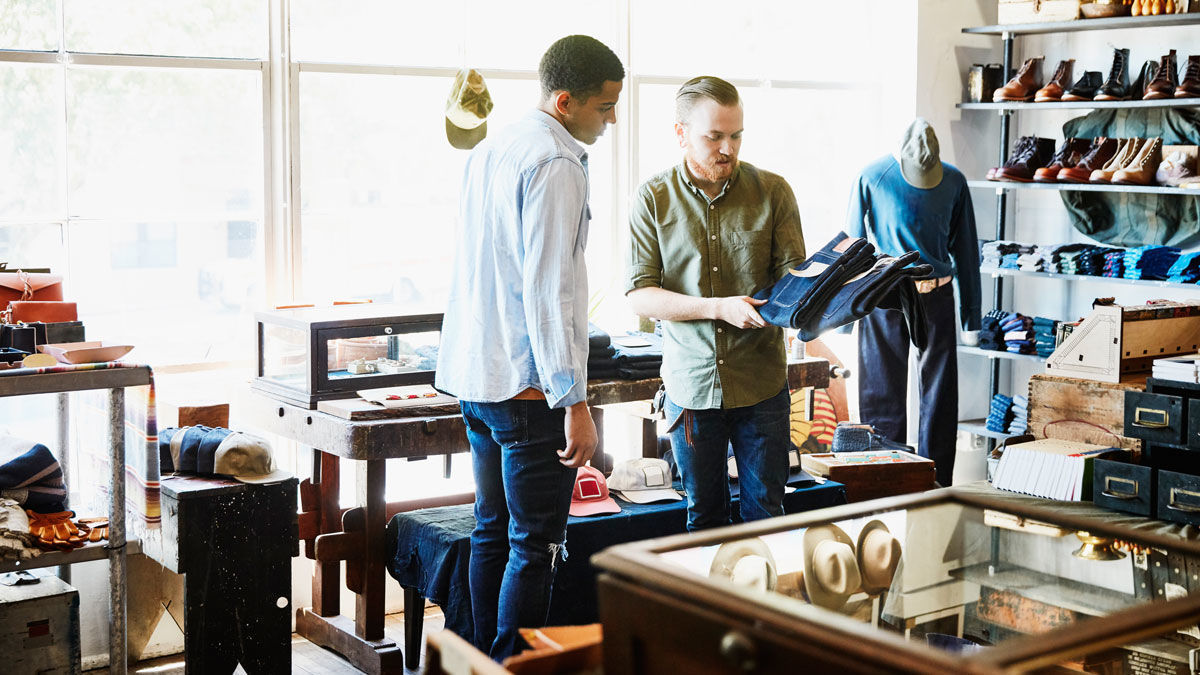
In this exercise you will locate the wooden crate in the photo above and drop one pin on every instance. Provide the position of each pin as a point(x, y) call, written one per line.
point(873, 474)
point(39, 628)
point(1079, 410)
point(1037, 11)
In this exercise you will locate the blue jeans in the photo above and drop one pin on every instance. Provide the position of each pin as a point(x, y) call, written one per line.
point(761, 438)
point(522, 497)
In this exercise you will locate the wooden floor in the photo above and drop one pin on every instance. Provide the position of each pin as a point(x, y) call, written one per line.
point(307, 658)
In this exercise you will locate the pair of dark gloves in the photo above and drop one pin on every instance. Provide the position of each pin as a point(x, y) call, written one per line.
point(842, 283)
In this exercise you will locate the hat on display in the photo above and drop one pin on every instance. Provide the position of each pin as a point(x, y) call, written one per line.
point(217, 451)
point(878, 556)
point(643, 481)
point(248, 459)
point(746, 562)
point(467, 109)
point(590, 496)
point(920, 155)
point(831, 572)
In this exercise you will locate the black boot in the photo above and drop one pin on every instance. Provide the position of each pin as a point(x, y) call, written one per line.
point(1116, 87)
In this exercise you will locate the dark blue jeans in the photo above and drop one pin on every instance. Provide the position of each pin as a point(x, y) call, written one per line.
point(761, 438)
point(522, 496)
point(883, 342)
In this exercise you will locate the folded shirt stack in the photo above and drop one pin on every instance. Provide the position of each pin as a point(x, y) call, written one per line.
point(1000, 414)
point(1009, 261)
point(1091, 260)
point(1150, 262)
point(31, 475)
point(601, 365)
point(1034, 261)
point(991, 336)
point(1018, 336)
point(1114, 263)
point(1185, 270)
point(1044, 331)
point(639, 355)
point(992, 252)
point(1020, 416)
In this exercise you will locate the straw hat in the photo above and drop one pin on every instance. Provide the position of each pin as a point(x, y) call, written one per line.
point(831, 572)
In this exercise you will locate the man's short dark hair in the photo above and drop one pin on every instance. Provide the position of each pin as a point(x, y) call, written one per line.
point(579, 65)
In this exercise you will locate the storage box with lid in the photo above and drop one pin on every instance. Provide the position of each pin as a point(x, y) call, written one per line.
point(39, 627)
point(311, 354)
point(1036, 11)
point(1011, 583)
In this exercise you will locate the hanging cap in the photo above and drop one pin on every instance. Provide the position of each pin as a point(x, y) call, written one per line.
point(467, 109)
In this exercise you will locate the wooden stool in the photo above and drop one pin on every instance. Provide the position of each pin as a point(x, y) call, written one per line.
point(233, 542)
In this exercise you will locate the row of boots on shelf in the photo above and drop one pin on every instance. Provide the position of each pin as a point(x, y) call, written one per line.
point(1157, 80)
point(1123, 161)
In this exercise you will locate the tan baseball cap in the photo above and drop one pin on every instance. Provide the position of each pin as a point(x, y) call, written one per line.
point(248, 459)
point(467, 109)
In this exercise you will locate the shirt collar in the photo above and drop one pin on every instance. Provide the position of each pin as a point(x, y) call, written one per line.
point(560, 132)
point(687, 178)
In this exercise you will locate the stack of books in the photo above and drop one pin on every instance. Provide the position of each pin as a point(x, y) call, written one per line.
point(1049, 468)
point(1180, 368)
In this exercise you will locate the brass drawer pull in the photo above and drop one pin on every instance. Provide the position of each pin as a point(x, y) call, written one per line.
point(1172, 504)
point(1108, 485)
point(1139, 419)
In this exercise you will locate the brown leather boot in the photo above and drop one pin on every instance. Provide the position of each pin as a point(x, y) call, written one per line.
point(1070, 153)
point(1097, 156)
point(1140, 170)
point(1023, 85)
point(1165, 80)
point(1190, 87)
point(1035, 154)
point(1125, 154)
point(1054, 89)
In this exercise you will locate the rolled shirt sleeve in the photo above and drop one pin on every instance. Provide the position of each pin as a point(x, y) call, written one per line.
point(644, 265)
point(554, 278)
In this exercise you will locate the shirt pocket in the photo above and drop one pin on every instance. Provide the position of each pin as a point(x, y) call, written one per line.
point(749, 253)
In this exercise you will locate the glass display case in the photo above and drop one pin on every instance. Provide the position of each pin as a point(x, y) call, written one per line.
point(946, 581)
point(311, 354)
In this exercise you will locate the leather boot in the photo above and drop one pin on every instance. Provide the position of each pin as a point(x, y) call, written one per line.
point(1034, 155)
point(1125, 154)
point(1165, 80)
point(1116, 87)
point(1023, 85)
point(1097, 156)
point(1146, 75)
point(1019, 148)
point(1070, 153)
point(1086, 87)
point(1190, 87)
point(1057, 86)
point(1140, 170)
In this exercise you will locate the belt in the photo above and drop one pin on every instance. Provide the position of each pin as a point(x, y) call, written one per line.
point(530, 394)
point(930, 285)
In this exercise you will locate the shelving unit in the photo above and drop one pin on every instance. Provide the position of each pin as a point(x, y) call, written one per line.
point(1002, 189)
point(117, 548)
point(1007, 272)
point(997, 354)
point(979, 428)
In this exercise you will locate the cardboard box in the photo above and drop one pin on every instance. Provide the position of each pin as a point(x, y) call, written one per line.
point(39, 627)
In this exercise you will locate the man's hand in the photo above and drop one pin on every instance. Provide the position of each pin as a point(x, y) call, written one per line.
point(581, 437)
point(739, 311)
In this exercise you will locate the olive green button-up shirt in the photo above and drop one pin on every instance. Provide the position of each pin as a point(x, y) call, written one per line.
point(742, 241)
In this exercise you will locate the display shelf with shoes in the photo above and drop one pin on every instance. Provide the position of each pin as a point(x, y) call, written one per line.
point(1114, 23)
point(1083, 105)
point(1087, 187)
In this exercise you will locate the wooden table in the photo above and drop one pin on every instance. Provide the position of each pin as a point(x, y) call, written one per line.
point(356, 535)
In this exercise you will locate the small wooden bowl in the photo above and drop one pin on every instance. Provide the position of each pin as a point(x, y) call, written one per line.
point(1104, 10)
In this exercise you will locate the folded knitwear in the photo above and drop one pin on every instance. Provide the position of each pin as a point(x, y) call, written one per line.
point(31, 475)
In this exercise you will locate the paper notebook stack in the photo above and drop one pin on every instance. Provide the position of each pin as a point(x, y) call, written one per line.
point(1179, 368)
point(1050, 468)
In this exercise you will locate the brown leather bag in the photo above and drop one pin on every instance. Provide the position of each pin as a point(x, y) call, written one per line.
point(29, 286)
point(47, 311)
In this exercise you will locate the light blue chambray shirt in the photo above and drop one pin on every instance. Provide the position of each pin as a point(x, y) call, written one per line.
point(517, 316)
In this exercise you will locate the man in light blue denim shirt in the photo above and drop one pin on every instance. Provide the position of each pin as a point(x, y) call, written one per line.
point(515, 340)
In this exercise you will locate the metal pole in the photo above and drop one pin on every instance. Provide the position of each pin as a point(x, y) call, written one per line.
point(116, 531)
point(63, 405)
point(1001, 211)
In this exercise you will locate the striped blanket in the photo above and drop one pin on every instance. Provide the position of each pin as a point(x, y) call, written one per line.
point(31, 475)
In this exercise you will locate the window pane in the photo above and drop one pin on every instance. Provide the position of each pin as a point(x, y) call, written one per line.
point(148, 141)
point(31, 173)
point(508, 35)
point(181, 292)
point(231, 28)
point(33, 246)
point(29, 24)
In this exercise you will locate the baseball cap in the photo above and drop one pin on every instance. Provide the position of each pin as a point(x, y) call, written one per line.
point(920, 155)
point(467, 109)
point(643, 481)
point(248, 459)
point(590, 496)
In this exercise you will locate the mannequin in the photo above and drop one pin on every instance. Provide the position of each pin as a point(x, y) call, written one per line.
point(912, 201)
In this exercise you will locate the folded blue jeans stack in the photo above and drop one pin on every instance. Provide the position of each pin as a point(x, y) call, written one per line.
point(1000, 414)
point(609, 359)
point(991, 336)
point(1044, 332)
point(1020, 416)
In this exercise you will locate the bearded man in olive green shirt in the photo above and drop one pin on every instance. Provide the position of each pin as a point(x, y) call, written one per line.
point(705, 236)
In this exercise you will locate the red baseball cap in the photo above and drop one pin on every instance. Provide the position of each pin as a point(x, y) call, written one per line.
point(590, 496)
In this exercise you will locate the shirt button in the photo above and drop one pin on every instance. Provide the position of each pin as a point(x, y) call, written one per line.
point(712, 206)
point(714, 269)
point(714, 237)
point(720, 330)
point(720, 362)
